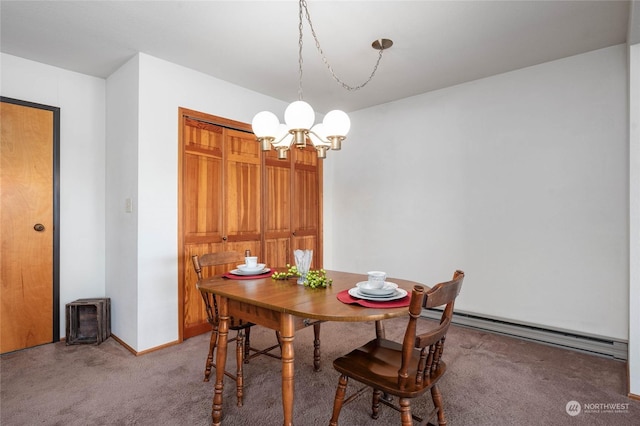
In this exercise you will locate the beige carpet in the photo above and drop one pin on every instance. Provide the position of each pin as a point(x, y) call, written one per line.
point(491, 380)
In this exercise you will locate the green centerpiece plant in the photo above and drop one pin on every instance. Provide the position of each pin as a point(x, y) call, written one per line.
point(315, 278)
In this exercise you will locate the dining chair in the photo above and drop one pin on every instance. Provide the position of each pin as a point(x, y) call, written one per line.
point(242, 328)
point(404, 370)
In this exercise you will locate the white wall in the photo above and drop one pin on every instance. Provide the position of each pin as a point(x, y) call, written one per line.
point(122, 183)
point(520, 179)
point(81, 100)
point(163, 87)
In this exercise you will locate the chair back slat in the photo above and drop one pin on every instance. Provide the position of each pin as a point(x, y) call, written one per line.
point(443, 293)
point(431, 337)
point(222, 258)
point(214, 259)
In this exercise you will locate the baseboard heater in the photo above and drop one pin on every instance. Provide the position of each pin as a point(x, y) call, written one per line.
point(594, 345)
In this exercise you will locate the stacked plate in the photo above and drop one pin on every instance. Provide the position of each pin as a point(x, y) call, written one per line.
point(389, 291)
point(246, 270)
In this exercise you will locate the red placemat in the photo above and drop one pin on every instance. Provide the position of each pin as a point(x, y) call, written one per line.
point(345, 297)
point(247, 277)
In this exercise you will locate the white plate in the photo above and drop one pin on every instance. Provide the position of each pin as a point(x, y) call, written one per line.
point(239, 272)
point(375, 296)
point(386, 290)
point(399, 294)
point(259, 267)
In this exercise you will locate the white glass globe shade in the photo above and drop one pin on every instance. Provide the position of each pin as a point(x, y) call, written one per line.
point(264, 124)
point(281, 132)
point(299, 115)
point(283, 136)
point(318, 134)
point(337, 123)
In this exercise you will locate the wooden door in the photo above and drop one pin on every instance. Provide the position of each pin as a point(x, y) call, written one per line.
point(293, 206)
point(277, 211)
point(29, 313)
point(200, 213)
point(306, 211)
point(220, 202)
point(242, 209)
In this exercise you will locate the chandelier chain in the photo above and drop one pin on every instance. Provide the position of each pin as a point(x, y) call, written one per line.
point(300, 52)
point(303, 4)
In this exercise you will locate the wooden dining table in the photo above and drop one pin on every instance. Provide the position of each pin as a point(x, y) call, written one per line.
point(285, 306)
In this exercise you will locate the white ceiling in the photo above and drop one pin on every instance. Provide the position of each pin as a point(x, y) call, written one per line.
point(255, 43)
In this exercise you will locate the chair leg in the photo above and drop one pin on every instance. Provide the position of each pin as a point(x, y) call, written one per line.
point(437, 401)
point(339, 399)
point(239, 362)
point(247, 345)
point(316, 346)
point(375, 404)
point(212, 347)
point(405, 412)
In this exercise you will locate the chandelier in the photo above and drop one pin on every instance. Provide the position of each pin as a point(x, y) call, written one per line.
point(298, 128)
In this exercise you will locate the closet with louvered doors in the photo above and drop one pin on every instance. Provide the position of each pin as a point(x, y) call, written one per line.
point(234, 197)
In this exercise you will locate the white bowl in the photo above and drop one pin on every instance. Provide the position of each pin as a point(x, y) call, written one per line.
point(258, 267)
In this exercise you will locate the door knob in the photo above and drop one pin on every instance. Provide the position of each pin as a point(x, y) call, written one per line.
point(224, 238)
point(38, 227)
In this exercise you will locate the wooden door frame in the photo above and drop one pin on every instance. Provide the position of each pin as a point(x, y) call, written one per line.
point(56, 206)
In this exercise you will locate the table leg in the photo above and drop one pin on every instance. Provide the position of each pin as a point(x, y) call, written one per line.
point(316, 346)
point(221, 358)
point(287, 331)
point(380, 330)
point(380, 334)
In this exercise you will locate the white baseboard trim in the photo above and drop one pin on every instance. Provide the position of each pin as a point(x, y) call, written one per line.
point(595, 345)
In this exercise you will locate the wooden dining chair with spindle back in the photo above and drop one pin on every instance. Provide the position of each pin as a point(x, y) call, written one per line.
point(404, 370)
point(242, 328)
